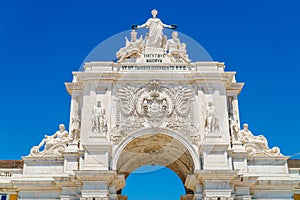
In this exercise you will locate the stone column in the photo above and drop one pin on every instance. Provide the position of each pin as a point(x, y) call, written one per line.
point(117, 184)
point(193, 184)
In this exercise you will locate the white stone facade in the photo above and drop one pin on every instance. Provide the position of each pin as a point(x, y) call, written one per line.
point(170, 111)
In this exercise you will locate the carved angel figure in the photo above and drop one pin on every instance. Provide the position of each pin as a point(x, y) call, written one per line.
point(256, 145)
point(54, 144)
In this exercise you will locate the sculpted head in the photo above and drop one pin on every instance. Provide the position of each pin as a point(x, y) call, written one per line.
point(245, 126)
point(154, 13)
point(174, 34)
point(62, 127)
point(98, 103)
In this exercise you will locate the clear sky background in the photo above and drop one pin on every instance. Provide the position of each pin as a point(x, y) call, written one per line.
point(42, 42)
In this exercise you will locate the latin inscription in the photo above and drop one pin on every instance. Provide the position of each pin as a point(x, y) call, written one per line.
point(154, 68)
point(154, 58)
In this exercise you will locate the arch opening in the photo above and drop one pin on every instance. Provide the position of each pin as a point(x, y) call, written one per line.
point(156, 149)
point(153, 182)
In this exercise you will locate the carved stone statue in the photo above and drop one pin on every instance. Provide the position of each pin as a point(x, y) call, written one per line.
point(133, 47)
point(173, 46)
point(155, 36)
point(99, 119)
point(103, 124)
point(175, 49)
point(211, 124)
point(183, 54)
point(54, 145)
point(256, 145)
point(234, 128)
point(75, 127)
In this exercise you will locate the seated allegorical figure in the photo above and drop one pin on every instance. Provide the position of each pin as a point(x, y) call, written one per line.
point(173, 45)
point(133, 47)
point(175, 49)
point(247, 136)
point(183, 53)
point(58, 140)
point(256, 145)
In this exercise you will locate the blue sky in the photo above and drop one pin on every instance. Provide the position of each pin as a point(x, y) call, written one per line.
point(42, 42)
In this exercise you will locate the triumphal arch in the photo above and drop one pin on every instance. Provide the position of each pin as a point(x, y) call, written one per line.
point(153, 105)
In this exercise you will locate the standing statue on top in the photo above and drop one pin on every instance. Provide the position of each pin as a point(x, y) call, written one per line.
point(155, 42)
point(155, 37)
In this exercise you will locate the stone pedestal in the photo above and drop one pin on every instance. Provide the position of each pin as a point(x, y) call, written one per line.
point(100, 184)
point(214, 152)
point(43, 166)
point(69, 187)
point(96, 156)
point(238, 146)
point(71, 157)
point(216, 183)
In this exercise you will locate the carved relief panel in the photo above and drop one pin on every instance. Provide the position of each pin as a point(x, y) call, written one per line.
point(155, 106)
